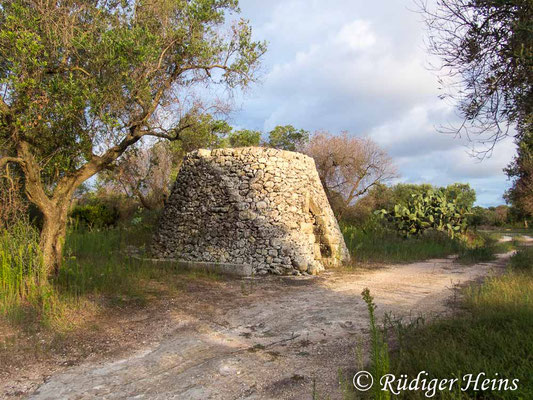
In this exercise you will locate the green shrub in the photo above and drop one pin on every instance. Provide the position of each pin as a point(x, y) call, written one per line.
point(95, 215)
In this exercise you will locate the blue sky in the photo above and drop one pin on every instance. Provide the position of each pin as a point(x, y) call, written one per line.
point(362, 67)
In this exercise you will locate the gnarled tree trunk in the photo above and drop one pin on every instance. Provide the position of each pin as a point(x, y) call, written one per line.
point(54, 207)
point(53, 235)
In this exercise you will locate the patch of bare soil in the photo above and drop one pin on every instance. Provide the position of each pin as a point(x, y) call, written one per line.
point(260, 338)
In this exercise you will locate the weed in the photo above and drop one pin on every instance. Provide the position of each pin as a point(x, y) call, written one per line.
point(379, 353)
point(24, 292)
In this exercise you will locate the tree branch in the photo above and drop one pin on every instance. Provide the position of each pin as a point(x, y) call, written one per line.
point(5, 160)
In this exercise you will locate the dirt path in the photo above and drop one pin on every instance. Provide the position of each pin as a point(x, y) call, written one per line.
point(267, 338)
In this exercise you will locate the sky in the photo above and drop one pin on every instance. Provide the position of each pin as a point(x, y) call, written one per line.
point(362, 67)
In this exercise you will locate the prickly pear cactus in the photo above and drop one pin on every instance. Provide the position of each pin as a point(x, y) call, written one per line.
point(431, 210)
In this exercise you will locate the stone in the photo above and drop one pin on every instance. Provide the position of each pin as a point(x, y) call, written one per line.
point(275, 242)
point(261, 205)
point(300, 264)
point(265, 208)
point(306, 227)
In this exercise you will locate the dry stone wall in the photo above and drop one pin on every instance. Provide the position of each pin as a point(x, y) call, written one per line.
point(257, 206)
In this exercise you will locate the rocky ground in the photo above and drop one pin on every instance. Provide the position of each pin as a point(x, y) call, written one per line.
point(262, 338)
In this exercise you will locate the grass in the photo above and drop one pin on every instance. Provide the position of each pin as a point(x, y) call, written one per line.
point(491, 334)
point(377, 244)
point(96, 264)
point(97, 271)
point(384, 246)
point(483, 247)
point(95, 300)
point(23, 285)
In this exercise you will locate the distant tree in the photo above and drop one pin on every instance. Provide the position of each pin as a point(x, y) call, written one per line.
point(82, 81)
point(500, 215)
point(244, 138)
point(287, 137)
point(480, 216)
point(486, 53)
point(205, 132)
point(142, 173)
point(145, 172)
point(462, 193)
point(349, 166)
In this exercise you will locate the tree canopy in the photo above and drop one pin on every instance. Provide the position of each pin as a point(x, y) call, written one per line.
point(485, 48)
point(244, 137)
point(82, 80)
point(287, 137)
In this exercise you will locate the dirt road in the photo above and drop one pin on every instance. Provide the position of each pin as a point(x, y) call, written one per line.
point(267, 338)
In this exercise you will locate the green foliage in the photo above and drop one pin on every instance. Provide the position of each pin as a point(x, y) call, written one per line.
point(462, 193)
point(244, 138)
point(479, 248)
point(491, 216)
point(386, 197)
point(478, 217)
point(67, 93)
point(287, 137)
point(97, 266)
point(98, 263)
point(95, 214)
point(403, 193)
point(204, 132)
point(431, 210)
point(520, 171)
point(83, 81)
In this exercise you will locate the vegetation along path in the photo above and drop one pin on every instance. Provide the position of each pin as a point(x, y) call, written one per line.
point(268, 338)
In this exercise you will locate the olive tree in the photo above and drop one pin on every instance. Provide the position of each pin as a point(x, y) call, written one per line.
point(81, 81)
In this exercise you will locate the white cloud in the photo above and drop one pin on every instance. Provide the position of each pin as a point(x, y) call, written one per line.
point(356, 35)
point(359, 66)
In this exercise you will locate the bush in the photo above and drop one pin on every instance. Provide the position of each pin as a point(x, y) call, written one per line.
point(95, 215)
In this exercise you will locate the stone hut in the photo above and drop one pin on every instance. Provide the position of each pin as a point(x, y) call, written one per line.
point(253, 206)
